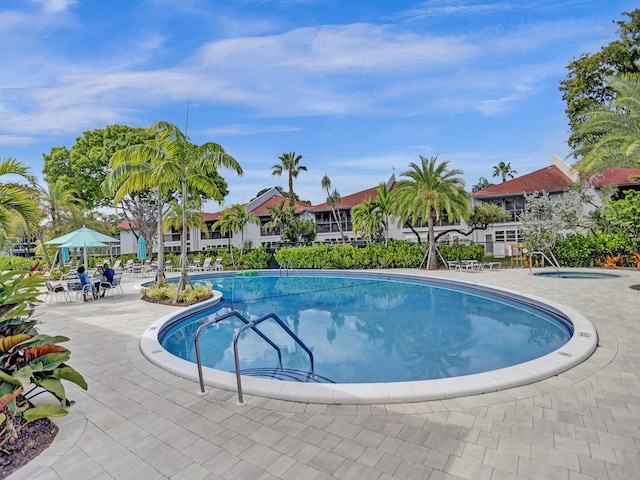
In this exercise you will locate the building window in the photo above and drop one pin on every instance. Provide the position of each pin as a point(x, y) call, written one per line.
point(325, 223)
point(513, 205)
point(213, 234)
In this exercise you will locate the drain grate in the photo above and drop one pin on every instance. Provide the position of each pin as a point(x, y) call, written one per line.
point(635, 287)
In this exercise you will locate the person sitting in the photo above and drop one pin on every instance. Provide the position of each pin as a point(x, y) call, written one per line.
point(107, 276)
point(84, 281)
point(97, 279)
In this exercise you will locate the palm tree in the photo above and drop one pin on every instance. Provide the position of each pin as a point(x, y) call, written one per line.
point(16, 201)
point(289, 162)
point(481, 185)
point(226, 224)
point(368, 219)
point(613, 131)
point(281, 217)
point(430, 191)
point(171, 161)
point(333, 200)
point(383, 201)
point(504, 170)
point(172, 218)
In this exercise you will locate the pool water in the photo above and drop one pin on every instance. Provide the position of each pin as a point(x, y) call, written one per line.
point(370, 329)
point(577, 275)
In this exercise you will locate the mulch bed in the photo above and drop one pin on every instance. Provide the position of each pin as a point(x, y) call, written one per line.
point(32, 439)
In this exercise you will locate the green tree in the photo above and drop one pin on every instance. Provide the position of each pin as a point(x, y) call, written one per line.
point(368, 220)
point(544, 218)
point(16, 200)
point(623, 215)
point(504, 171)
point(85, 166)
point(480, 217)
point(172, 217)
point(481, 185)
point(430, 191)
point(171, 161)
point(587, 83)
point(281, 217)
point(290, 163)
point(333, 200)
point(612, 132)
point(234, 219)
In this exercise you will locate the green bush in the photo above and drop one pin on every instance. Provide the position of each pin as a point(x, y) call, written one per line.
point(28, 359)
point(166, 293)
point(578, 250)
point(460, 251)
point(397, 254)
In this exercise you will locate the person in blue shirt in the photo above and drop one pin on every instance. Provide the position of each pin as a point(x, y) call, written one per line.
point(107, 276)
point(84, 280)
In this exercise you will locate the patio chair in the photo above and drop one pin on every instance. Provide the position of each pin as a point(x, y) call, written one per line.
point(57, 291)
point(113, 288)
point(217, 265)
point(195, 266)
point(206, 266)
point(73, 286)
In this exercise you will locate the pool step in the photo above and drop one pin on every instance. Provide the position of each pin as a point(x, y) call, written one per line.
point(286, 374)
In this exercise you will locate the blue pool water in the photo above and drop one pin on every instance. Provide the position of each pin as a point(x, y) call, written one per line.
point(571, 274)
point(368, 328)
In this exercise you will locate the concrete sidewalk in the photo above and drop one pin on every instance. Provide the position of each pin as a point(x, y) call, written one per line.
point(139, 422)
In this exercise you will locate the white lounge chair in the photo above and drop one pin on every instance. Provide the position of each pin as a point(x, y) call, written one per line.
point(206, 266)
point(217, 265)
point(112, 288)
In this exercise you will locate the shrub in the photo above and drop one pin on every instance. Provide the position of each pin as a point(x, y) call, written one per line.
point(28, 359)
point(578, 250)
point(166, 293)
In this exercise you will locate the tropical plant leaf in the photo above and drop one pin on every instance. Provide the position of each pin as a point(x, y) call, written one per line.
point(43, 411)
point(31, 354)
point(71, 375)
point(7, 397)
point(7, 343)
point(51, 361)
point(53, 386)
point(5, 377)
point(25, 376)
point(40, 339)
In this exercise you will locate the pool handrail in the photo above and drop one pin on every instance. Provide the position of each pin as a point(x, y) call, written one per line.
point(247, 324)
point(286, 264)
point(554, 263)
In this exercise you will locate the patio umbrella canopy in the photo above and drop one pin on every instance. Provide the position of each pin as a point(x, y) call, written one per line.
point(83, 238)
point(142, 248)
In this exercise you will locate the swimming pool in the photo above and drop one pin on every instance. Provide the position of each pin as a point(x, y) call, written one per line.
point(576, 274)
point(457, 337)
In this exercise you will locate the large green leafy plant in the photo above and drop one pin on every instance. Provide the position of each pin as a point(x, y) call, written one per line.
point(30, 362)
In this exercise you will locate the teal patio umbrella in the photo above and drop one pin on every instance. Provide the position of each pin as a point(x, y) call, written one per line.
point(142, 248)
point(83, 238)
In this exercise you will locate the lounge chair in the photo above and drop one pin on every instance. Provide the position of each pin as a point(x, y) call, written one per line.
point(206, 266)
point(195, 266)
point(217, 265)
point(117, 266)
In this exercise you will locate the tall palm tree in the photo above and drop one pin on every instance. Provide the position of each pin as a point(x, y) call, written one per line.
point(17, 200)
point(333, 200)
point(172, 217)
point(613, 131)
point(226, 224)
point(430, 191)
point(504, 171)
point(289, 162)
point(241, 218)
point(171, 161)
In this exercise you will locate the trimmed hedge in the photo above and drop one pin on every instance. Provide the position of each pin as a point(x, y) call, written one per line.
point(578, 250)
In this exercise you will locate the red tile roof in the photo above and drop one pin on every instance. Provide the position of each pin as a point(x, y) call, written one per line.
point(261, 210)
point(211, 217)
point(616, 176)
point(128, 224)
point(349, 201)
point(549, 179)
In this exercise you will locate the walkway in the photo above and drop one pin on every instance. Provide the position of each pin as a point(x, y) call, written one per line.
point(139, 422)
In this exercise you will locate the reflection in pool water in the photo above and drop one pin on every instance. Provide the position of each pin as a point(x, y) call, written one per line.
point(369, 329)
point(572, 274)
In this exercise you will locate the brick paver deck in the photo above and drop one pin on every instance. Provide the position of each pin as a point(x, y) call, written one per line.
point(139, 422)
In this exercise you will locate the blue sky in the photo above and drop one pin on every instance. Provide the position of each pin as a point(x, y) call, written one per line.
point(360, 88)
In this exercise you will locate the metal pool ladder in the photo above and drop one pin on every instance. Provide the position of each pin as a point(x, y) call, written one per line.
point(252, 325)
point(554, 263)
point(285, 264)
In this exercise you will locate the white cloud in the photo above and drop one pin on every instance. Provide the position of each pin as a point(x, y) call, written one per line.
point(56, 6)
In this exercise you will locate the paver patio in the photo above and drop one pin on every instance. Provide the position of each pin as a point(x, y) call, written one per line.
point(139, 422)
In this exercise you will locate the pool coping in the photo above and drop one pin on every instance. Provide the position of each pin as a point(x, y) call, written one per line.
point(580, 347)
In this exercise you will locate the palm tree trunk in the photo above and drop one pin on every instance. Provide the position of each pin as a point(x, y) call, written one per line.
point(44, 249)
point(160, 270)
point(335, 217)
point(183, 243)
point(433, 260)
